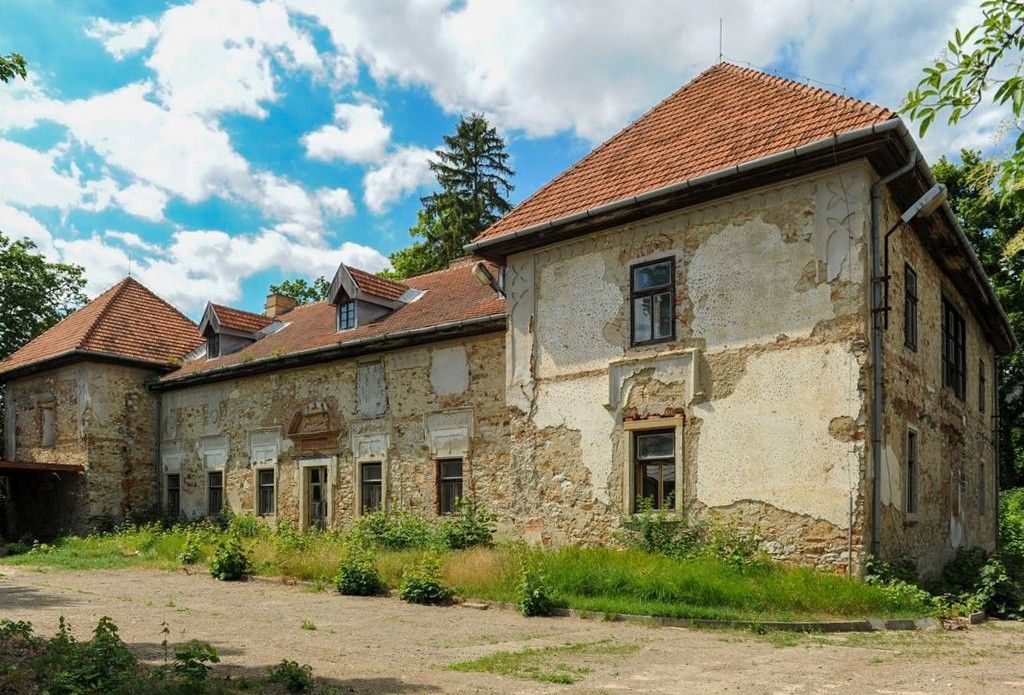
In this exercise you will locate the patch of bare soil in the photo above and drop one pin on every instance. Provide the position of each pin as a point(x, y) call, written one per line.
point(381, 645)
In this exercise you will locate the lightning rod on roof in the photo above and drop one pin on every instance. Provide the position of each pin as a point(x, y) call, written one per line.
point(719, 39)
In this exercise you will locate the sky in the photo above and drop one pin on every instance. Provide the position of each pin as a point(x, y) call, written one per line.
point(213, 147)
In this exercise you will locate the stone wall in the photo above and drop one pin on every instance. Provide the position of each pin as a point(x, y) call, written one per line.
point(956, 456)
point(99, 416)
point(405, 409)
point(767, 371)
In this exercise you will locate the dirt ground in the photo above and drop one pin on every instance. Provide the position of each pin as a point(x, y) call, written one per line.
point(381, 645)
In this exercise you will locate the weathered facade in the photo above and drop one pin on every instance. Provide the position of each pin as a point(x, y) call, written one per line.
point(696, 317)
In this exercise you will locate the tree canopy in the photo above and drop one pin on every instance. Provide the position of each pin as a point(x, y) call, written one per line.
point(991, 222)
point(302, 291)
point(12, 66)
point(474, 180)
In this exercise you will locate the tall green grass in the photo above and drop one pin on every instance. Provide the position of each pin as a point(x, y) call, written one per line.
point(595, 579)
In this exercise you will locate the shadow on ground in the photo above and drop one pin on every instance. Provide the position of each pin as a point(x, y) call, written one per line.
point(27, 598)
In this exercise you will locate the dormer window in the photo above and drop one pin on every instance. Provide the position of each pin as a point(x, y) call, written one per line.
point(347, 315)
point(213, 345)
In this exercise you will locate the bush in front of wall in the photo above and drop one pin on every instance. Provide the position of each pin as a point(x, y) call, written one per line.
point(230, 561)
point(421, 583)
point(357, 576)
point(534, 593)
point(469, 526)
point(294, 678)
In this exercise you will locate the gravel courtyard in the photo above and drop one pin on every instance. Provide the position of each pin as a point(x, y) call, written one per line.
point(385, 646)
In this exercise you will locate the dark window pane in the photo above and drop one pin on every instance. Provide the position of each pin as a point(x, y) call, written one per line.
point(266, 492)
point(449, 485)
point(655, 445)
point(173, 495)
point(651, 483)
point(652, 275)
point(372, 487)
point(451, 468)
point(662, 324)
point(346, 315)
point(642, 319)
point(214, 493)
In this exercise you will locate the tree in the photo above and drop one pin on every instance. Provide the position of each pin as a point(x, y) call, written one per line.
point(12, 66)
point(301, 291)
point(991, 222)
point(34, 295)
point(473, 178)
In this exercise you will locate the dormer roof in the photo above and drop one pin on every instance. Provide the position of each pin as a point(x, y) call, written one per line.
point(225, 318)
point(353, 283)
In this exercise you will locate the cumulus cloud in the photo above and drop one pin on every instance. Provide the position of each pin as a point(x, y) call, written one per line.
point(358, 134)
point(404, 171)
point(336, 202)
point(123, 38)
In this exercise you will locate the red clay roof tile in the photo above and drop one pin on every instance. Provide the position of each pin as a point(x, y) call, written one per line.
point(377, 286)
point(127, 321)
point(725, 116)
point(239, 320)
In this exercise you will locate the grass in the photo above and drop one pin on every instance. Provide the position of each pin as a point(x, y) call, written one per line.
point(603, 580)
point(566, 664)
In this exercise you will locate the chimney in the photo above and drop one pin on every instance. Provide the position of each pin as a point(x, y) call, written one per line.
point(278, 305)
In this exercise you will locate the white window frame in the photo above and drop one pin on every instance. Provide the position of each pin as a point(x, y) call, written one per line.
point(629, 429)
point(328, 463)
point(256, 470)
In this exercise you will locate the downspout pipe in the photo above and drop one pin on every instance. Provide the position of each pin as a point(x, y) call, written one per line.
point(877, 301)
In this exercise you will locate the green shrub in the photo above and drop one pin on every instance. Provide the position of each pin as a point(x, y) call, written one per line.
point(659, 531)
point(961, 573)
point(470, 525)
point(357, 576)
point(393, 530)
point(247, 526)
point(103, 663)
point(193, 552)
point(230, 561)
point(294, 678)
point(1011, 533)
point(421, 583)
point(997, 593)
point(192, 663)
point(534, 594)
point(878, 571)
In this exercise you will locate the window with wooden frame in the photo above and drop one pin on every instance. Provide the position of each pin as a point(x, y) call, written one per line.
point(265, 492)
point(449, 485)
point(347, 315)
point(214, 492)
point(654, 469)
point(212, 346)
point(371, 486)
point(954, 350)
point(912, 485)
point(982, 378)
point(652, 296)
point(909, 307)
point(173, 508)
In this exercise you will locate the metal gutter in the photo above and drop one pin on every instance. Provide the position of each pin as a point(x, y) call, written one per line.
point(795, 153)
point(67, 357)
point(336, 351)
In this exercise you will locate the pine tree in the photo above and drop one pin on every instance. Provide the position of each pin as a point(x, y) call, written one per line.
point(474, 180)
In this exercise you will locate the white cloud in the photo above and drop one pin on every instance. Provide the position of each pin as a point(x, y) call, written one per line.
point(15, 224)
point(30, 178)
point(336, 202)
point(402, 172)
point(104, 265)
point(142, 200)
point(358, 135)
point(123, 38)
point(132, 241)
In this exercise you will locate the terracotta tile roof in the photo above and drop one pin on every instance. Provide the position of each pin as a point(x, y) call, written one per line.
point(725, 116)
point(377, 286)
point(126, 321)
point(449, 296)
point(239, 320)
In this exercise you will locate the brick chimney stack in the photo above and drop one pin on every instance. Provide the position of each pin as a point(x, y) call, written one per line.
point(278, 305)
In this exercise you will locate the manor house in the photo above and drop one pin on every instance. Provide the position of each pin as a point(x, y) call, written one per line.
point(752, 302)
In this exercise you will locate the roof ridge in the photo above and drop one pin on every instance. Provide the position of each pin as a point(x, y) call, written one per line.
point(215, 306)
point(117, 290)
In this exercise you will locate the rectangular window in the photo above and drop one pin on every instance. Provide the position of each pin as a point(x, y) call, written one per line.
point(981, 386)
point(214, 492)
point(346, 315)
point(912, 473)
point(213, 345)
point(173, 495)
point(654, 463)
point(909, 307)
point(449, 485)
point(372, 487)
point(652, 301)
point(267, 498)
point(954, 350)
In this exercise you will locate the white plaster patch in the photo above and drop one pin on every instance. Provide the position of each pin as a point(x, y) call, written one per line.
point(448, 433)
point(449, 370)
point(576, 405)
point(371, 389)
point(742, 285)
point(891, 480)
point(575, 302)
point(407, 359)
point(519, 341)
point(769, 439)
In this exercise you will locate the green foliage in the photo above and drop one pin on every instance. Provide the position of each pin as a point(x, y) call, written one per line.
point(960, 574)
point(357, 576)
point(1011, 533)
point(669, 533)
point(470, 525)
point(421, 582)
point(534, 593)
point(474, 182)
point(393, 530)
point(11, 66)
point(193, 663)
point(294, 678)
point(882, 572)
point(303, 291)
point(230, 561)
point(193, 552)
point(979, 63)
point(247, 526)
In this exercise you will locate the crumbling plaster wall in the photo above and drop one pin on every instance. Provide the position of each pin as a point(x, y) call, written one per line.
point(768, 367)
point(105, 420)
point(404, 408)
point(954, 436)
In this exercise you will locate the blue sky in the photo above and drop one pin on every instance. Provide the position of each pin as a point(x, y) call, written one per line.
point(217, 146)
